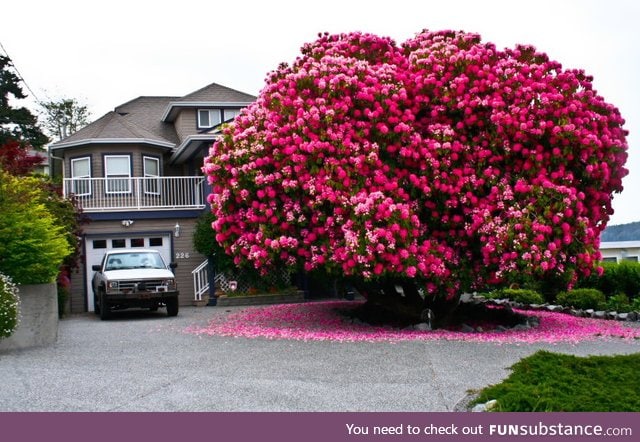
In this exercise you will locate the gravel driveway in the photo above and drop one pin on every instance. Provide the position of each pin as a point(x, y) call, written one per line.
point(142, 361)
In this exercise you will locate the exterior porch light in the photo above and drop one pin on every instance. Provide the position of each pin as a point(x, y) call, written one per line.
point(176, 230)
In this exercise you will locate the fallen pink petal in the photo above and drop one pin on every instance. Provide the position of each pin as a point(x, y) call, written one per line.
point(326, 321)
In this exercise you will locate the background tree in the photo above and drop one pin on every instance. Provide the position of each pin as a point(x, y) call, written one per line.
point(17, 160)
point(19, 123)
point(420, 171)
point(64, 117)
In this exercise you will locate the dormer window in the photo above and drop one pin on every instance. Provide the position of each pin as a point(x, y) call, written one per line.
point(208, 118)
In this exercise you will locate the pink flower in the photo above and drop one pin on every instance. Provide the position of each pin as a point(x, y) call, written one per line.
point(322, 321)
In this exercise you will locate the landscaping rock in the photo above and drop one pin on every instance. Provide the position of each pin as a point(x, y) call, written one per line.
point(467, 329)
point(599, 314)
point(521, 327)
point(589, 312)
point(622, 316)
point(422, 326)
point(533, 321)
point(554, 308)
point(632, 316)
point(611, 315)
point(490, 405)
point(479, 408)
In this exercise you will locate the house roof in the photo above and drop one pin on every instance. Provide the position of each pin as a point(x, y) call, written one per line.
point(150, 120)
point(212, 95)
point(219, 93)
point(113, 128)
point(622, 232)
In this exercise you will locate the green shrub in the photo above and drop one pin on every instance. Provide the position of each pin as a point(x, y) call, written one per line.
point(623, 277)
point(524, 296)
point(32, 244)
point(555, 382)
point(9, 306)
point(581, 298)
point(627, 277)
point(619, 303)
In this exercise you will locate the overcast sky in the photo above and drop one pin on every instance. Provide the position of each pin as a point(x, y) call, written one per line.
point(107, 53)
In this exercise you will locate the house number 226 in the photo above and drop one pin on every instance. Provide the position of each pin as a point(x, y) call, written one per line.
point(182, 255)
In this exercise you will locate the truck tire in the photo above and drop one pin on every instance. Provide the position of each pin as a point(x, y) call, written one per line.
point(105, 310)
point(172, 307)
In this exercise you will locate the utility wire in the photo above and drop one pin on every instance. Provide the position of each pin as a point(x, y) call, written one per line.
point(20, 77)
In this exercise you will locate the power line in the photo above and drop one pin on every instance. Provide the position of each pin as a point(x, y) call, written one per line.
point(20, 77)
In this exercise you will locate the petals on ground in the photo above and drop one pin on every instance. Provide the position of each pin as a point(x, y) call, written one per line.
point(323, 321)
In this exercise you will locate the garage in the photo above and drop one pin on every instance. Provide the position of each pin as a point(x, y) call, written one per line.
point(96, 246)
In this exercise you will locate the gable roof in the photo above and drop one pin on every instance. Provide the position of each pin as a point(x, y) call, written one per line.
point(211, 95)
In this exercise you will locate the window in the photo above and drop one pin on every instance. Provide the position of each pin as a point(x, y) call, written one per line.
point(610, 259)
point(99, 243)
point(137, 242)
point(630, 258)
point(230, 114)
point(81, 176)
point(208, 118)
point(155, 242)
point(118, 243)
point(117, 169)
point(151, 173)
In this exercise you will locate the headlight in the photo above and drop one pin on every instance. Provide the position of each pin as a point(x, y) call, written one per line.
point(171, 284)
point(113, 285)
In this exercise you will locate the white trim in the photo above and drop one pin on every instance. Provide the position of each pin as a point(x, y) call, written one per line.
point(112, 141)
point(191, 138)
point(619, 245)
point(80, 179)
point(169, 115)
point(117, 178)
point(149, 178)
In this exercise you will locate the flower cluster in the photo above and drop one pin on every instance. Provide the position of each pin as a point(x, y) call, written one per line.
point(322, 321)
point(441, 159)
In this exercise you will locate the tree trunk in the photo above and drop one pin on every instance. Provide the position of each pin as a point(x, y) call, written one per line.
point(397, 301)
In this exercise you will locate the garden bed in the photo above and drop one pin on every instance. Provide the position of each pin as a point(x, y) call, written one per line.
point(261, 299)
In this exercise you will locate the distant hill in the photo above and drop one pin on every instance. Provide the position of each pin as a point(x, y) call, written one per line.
point(622, 232)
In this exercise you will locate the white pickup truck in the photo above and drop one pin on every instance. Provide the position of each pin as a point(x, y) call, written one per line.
point(134, 278)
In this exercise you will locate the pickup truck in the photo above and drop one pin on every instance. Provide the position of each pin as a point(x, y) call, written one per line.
point(129, 278)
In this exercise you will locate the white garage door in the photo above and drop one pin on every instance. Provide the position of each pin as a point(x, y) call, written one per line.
point(96, 247)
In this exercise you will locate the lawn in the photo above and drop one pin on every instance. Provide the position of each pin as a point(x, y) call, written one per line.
point(548, 381)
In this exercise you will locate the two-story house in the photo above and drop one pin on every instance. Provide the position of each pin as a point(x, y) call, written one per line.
point(136, 173)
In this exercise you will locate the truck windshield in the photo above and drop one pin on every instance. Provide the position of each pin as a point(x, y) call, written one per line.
point(137, 260)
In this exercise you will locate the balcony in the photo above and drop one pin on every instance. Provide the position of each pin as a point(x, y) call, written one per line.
point(129, 194)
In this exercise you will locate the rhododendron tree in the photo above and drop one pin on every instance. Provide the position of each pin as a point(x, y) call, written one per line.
point(419, 170)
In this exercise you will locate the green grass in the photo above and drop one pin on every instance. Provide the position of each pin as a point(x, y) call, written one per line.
point(548, 381)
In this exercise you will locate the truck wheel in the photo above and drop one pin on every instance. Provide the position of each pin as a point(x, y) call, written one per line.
point(96, 304)
point(172, 307)
point(105, 310)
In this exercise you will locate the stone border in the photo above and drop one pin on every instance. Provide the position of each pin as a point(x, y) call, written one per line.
point(588, 313)
point(266, 299)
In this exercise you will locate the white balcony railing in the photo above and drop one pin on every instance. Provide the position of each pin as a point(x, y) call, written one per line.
point(126, 194)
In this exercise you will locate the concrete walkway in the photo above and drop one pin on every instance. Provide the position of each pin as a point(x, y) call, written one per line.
point(143, 361)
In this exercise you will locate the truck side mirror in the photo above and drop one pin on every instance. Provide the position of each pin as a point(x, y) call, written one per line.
point(96, 267)
point(173, 265)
